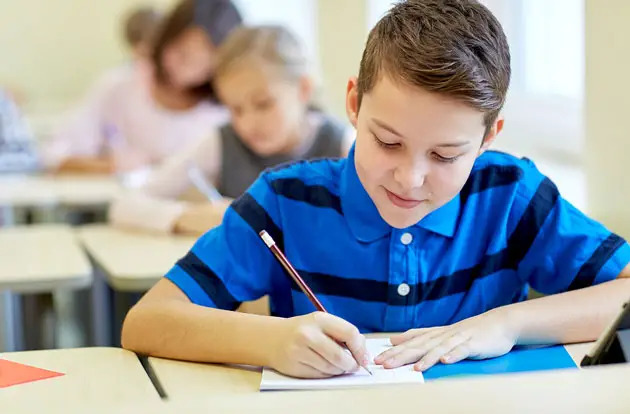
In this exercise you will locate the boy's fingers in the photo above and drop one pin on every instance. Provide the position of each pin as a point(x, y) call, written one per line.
point(308, 371)
point(422, 344)
point(446, 346)
point(410, 334)
point(459, 353)
point(333, 353)
point(390, 353)
point(320, 363)
point(406, 356)
point(431, 357)
point(345, 333)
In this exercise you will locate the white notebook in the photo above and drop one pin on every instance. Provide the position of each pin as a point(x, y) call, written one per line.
point(273, 380)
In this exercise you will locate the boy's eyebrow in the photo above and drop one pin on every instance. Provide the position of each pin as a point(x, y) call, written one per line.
point(454, 144)
point(386, 127)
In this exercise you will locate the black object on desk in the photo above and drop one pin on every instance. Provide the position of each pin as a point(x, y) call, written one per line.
point(613, 346)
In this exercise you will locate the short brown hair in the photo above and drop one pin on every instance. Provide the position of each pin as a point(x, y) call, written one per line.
point(455, 48)
point(140, 25)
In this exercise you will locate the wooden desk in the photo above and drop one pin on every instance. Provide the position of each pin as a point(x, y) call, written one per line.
point(127, 263)
point(600, 390)
point(132, 262)
point(23, 191)
point(183, 380)
point(78, 191)
point(94, 378)
point(36, 259)
point(40, 258)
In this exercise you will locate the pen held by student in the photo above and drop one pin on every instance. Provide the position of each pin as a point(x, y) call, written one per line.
point(271, 244)
point(202, 184)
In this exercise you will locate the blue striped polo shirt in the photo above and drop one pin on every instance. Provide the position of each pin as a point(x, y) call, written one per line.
point(506, 230)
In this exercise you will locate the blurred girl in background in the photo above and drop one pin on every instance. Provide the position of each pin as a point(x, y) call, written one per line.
point(162, 103)
point(262, 76)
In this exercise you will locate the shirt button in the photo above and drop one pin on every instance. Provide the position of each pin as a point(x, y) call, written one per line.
point(403, 289)
point(406, 238)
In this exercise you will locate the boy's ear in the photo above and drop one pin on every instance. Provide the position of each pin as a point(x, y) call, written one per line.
point(306, 88)
point(494, 130)
point(352, 101)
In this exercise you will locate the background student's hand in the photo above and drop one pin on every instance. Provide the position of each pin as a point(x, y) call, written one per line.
point(200, 217)
point(482, 336)
point(130, 159)
point(86, 165)
point(308, 347)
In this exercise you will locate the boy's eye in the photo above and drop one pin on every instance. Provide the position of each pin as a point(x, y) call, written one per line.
point(385, 145)
point(441, 158)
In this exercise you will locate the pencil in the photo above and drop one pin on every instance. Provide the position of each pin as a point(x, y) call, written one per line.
point(204, 186)
point(271, 244)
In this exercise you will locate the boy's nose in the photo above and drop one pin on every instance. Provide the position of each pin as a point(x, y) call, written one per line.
point(411, 175)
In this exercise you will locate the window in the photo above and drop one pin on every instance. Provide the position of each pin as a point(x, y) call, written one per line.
point(299, 16)
point(544, 104)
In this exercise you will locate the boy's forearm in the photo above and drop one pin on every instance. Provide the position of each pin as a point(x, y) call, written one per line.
point(179, 330)
point(576, 316)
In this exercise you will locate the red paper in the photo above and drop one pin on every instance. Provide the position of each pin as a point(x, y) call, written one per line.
point(13, 373)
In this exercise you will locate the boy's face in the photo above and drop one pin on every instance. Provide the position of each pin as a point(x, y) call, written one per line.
point(414, 149)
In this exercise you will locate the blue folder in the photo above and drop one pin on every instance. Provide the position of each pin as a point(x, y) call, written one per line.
point(520, 359)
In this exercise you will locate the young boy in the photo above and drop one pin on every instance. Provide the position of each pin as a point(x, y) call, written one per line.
point(420, 229)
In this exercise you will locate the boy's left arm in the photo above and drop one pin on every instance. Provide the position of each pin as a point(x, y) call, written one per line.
point(575, 316)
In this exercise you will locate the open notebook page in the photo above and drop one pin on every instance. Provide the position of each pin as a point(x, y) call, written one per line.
point(273, 380)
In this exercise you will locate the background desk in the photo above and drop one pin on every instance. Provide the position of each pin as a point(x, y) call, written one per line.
point(36, 259)
point(130, 263)
point(54, 197)
point(48, 190)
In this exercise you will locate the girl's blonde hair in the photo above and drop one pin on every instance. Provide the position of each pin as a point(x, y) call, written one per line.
point(274, 45)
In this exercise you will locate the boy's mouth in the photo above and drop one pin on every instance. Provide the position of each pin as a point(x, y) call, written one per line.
point(402, 202)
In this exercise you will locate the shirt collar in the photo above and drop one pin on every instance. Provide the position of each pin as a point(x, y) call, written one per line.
point(443, 220)
point(366, 223)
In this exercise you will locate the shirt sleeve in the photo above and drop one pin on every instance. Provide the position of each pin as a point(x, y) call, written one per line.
point(171, 180)
point(17, 144)
point(155, 206)
point(230, 264)
point(143, 211)
point(570, 250)
point(80, 132)
point(13, 127)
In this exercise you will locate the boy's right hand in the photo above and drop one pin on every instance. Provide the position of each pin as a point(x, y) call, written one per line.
point(308, 346)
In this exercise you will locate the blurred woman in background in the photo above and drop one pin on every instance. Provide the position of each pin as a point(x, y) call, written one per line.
point(263, 78)
point(165, 102)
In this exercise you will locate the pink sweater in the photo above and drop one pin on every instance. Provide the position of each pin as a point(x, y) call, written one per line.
point(121, 117)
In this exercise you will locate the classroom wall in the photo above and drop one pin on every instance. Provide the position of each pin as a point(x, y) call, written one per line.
point(38, 34)
point(342, 35)
point(40, 41)
point(607, 107)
